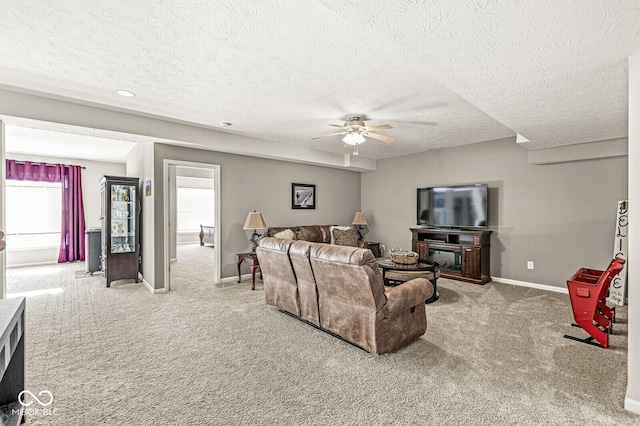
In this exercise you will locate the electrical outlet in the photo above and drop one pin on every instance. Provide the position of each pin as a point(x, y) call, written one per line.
point(530, 264)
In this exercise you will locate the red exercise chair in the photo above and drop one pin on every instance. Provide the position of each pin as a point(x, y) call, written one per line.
point(588, 291)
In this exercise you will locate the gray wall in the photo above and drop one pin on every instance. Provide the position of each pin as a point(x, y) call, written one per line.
point(251, 183)
point(561, 216)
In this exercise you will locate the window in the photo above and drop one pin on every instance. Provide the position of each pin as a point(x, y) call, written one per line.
point(195, 207)
point(33, 214)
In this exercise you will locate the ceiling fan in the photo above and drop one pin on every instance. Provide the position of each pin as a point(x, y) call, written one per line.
point(355, 132)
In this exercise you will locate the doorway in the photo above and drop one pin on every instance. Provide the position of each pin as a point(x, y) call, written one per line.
point(188, 189)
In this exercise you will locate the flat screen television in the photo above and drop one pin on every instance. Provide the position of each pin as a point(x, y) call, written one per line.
point(462, 206)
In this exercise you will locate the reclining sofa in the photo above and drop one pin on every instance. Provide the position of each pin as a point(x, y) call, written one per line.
point(340, 289)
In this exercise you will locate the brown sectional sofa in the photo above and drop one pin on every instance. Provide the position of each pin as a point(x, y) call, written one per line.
point(312, 233)
point(340, 289)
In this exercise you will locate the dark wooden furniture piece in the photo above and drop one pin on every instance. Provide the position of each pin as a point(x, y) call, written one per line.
point(252, 260)
point(371, 245)
point(207, 235)
point(120, 228)
point(12, 322)
point(397, 273)
point(93, 250)
point(588, 292)
point(462, 254)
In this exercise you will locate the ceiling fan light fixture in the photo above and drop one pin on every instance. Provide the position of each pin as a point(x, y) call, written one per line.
point(353, 138)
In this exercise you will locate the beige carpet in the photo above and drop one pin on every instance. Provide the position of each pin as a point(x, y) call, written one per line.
point(211, 354)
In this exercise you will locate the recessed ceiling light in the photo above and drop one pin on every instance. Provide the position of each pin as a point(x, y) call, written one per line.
point(125, 93)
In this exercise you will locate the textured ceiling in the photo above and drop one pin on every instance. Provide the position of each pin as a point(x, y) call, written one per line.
point(442, 72)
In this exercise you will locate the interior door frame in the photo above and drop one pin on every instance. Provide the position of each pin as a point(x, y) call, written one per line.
point(217, 220)
point(3, 253)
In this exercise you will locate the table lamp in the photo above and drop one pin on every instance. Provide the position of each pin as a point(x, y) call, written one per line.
point(360, 220)
point(254, 221)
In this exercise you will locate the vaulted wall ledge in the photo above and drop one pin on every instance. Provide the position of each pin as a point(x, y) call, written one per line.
point(579, 152)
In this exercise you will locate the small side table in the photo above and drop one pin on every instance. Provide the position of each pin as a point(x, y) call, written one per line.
point(252, 260)
point(375, 248)
point(371, 245)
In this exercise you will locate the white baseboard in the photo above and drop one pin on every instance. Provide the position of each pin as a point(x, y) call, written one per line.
point(146, 284)
point(531, 285)
point(632, 405)
point(496, 279)
point(22, 265)
point(234, 279)
point(151, 289)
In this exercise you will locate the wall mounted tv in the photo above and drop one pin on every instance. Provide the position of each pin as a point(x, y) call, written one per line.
point(453, 206)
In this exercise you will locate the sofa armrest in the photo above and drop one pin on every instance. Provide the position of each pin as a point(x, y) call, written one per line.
point(406, 296)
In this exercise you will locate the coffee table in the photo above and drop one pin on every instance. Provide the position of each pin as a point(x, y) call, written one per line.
point(398, 273)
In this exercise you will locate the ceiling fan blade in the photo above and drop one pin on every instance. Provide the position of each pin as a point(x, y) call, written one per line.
point(336, 125)
point(380, 127)
point(330, 134)
point(387, 139)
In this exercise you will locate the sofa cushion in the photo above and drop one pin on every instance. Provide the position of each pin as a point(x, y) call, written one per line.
point(273, 231)
point(312, 233)
point(346, 237)
point(331, 228)
point(280, 286)
point(287, 234)
point(350, 292)
point(307, 293)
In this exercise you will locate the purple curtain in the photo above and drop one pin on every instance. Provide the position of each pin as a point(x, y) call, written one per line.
point(73, 226)
point(35, 172)
point(72, 230)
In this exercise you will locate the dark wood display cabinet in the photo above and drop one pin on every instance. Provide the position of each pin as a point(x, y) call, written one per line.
point(120, 228)
point(462, 254)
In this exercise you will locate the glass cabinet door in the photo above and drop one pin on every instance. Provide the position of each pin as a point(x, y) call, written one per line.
point(123, 218)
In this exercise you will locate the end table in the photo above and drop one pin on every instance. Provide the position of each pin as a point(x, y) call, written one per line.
point(252, 260)
point(371, 245)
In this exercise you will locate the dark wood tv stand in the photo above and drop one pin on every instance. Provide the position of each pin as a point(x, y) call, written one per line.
point(462, 254)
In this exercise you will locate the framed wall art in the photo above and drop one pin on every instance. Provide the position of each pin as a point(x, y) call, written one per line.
point(303, 196)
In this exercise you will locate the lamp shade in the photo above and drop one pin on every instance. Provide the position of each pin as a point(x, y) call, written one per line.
point(254, 221)
point(359, 219)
